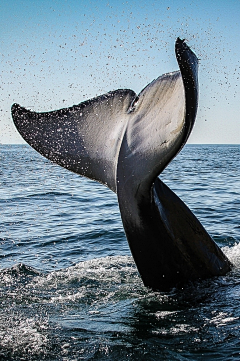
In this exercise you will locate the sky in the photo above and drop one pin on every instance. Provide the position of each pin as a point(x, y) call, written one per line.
point(56, 53)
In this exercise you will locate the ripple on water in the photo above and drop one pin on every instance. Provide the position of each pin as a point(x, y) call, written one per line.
point(94, 307)
point(70, 290)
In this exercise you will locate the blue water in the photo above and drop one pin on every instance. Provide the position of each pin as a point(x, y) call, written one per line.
point(69, 289)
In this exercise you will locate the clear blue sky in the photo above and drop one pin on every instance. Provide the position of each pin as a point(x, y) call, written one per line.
point(57, 53)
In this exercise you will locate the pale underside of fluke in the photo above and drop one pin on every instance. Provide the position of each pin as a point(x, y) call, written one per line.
point(125, 141)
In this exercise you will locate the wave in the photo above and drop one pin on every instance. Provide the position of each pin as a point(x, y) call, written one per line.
point(63, 309)
point(105, 266)
point(91, 308)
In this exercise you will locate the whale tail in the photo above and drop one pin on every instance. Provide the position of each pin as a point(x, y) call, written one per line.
point(150, 128)
point(124, 141)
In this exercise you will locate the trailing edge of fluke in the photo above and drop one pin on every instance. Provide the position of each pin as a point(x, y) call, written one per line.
point(125, 141)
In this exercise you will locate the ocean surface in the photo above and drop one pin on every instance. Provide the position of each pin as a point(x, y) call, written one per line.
point(69, 288)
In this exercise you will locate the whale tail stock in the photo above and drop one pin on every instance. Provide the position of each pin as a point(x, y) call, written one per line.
point(125, 141)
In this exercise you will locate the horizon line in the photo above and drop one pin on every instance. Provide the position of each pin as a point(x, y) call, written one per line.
point(185, 144)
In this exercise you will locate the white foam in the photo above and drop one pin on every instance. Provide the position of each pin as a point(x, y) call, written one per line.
point(233, 254)
point(94, 281)
point(26, 334)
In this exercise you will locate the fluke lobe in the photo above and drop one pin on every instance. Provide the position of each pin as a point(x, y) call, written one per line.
point(124, 141)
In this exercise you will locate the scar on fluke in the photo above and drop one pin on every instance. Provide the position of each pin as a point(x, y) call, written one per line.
point(125, 141)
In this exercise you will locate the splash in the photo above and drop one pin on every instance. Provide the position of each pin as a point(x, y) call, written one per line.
point(233, 254)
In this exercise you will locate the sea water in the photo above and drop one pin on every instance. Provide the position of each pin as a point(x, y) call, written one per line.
point(69, 288)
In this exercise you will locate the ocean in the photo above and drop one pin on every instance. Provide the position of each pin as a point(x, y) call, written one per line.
point(69, 288)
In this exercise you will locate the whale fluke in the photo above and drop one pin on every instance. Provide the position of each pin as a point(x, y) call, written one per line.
point(125, 141)
point(84, 138)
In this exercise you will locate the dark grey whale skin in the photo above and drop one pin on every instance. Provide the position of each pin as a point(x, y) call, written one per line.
point(168, 243)
point(124, 141)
